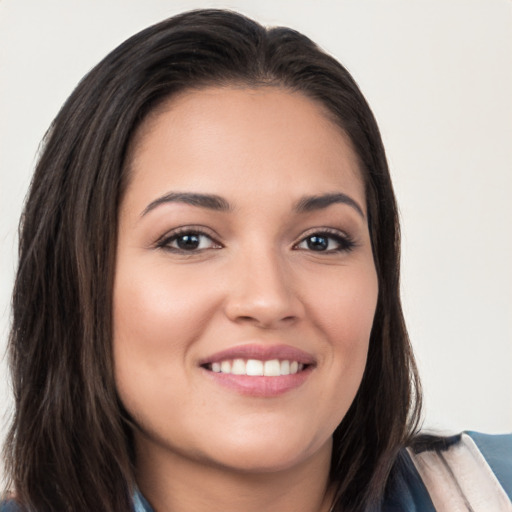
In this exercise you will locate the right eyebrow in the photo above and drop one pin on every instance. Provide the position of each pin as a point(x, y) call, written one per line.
point(311, 203)
point(209, 201)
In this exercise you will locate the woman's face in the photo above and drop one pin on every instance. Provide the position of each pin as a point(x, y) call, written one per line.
point(245, 287)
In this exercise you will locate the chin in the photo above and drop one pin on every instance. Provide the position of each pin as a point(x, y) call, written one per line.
point(267, 454)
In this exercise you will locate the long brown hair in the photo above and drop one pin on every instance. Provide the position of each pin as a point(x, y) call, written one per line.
point(69, 447)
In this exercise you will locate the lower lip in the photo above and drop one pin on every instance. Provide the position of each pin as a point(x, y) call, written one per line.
point(260, 386)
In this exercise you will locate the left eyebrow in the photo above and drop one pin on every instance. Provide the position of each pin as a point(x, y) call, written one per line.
point(311, 203)
point(208, 201)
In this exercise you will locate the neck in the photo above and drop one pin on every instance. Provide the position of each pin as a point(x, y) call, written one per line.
point(172, 483)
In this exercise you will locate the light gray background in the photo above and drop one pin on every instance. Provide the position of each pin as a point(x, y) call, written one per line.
point(438, 74)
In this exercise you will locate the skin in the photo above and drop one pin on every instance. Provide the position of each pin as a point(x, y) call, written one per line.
point(253, 279)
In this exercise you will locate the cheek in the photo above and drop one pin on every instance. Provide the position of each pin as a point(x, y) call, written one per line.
point(343, 309)
point(155, 307)
point(158, 315)
point(345, 306)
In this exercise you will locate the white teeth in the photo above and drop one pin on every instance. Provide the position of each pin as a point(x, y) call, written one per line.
point(238, 367)
point(285, 367)
point(254, 367)
point(272, 368)
point(257, 368)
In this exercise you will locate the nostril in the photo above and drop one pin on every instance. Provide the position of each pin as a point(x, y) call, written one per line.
point(265, 321)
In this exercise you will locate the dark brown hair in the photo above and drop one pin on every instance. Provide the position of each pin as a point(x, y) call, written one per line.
point(69, 447)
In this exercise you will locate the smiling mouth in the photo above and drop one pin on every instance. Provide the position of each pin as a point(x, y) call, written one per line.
point(256, 367)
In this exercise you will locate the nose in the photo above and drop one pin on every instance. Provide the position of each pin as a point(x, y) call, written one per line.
point(262, 292)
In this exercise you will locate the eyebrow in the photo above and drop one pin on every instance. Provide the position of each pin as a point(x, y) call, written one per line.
point(218, 203)
point(311, 203)
point(209, 201)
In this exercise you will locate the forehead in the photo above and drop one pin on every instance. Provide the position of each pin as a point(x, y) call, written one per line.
point(266, 139)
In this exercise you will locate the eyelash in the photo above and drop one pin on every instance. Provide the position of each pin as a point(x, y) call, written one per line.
point(343, 241)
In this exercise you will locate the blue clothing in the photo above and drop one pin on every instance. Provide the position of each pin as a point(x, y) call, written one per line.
point(497, 450)
point(406, 492)
point(139, 504)
point(409, 494)
point(8, 506)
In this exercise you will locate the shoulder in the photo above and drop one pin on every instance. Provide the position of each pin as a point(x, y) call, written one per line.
point(9, 506)
point(497, 450)
point(469, 467)
point(139, 504)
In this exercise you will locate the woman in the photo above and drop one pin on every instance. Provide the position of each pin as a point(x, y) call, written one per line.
point(206, 312)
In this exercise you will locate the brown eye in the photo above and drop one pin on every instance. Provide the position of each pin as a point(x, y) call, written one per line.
point(188, 241)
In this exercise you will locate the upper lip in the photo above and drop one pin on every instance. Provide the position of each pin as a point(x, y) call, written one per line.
point(260, 352)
